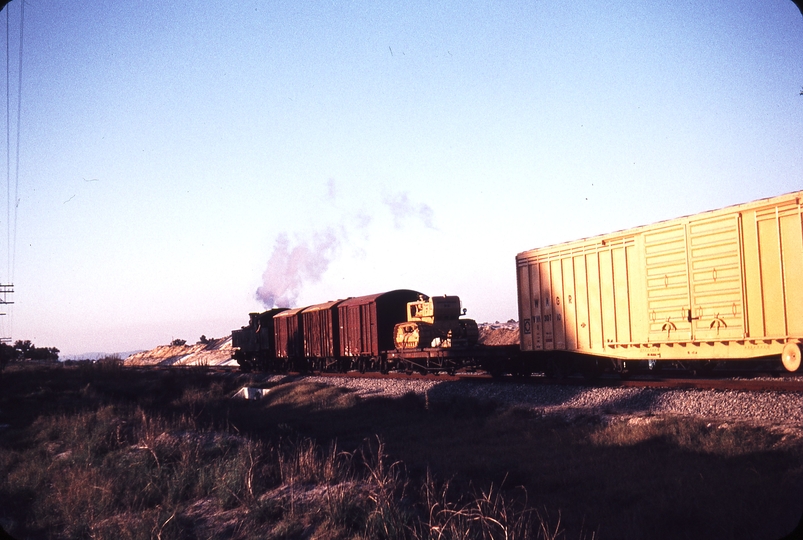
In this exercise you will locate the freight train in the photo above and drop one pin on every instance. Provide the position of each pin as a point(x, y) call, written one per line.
point(400, 329)
point(719, 287)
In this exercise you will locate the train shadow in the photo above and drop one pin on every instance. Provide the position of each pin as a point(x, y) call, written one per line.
point(556, 398)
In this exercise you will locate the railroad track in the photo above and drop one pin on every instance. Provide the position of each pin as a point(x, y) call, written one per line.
point(742, 381)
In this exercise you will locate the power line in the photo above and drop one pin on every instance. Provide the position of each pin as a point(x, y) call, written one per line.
point(11, 225)
point(19, 124)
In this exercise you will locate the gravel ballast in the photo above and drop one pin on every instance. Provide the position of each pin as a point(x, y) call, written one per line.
point(764, 408)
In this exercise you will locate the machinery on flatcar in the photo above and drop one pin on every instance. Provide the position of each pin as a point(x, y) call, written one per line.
point(435, 322)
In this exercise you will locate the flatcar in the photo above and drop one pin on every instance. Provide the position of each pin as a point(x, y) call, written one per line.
point(723, 285)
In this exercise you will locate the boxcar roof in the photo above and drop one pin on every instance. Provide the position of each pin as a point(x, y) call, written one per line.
point(635, 230)
point(325, 305)
point(362, 300)
point(270, 312)
point(290, 312)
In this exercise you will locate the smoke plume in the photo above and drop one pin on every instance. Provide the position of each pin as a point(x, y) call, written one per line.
point(402, 208)
point(291, 266)
point(304, 261)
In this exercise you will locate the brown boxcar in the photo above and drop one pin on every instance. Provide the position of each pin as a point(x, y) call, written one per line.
point(321, 330)
point(289, 333)
point(367, 322)
point(724, 284)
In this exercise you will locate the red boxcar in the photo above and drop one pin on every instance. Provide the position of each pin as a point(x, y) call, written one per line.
point(289, 328)
point(321, 330)
point(366, 322)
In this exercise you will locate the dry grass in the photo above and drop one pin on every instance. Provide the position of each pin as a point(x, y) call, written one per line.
point(88, 461)
point(101, 451)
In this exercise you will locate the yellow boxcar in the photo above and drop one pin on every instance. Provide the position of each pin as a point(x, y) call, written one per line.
point(720, 285)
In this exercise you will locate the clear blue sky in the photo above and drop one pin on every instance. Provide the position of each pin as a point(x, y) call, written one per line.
point(171, 153)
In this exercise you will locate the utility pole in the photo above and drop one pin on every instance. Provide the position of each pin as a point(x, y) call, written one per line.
point(5, 290)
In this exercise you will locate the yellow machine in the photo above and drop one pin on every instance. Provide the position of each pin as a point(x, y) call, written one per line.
point(435, 322)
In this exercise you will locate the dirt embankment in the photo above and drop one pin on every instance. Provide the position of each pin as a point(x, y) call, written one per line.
point(499, 333)
point(215, 352)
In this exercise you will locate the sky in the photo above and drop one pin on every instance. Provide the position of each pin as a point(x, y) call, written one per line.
point(181, 164)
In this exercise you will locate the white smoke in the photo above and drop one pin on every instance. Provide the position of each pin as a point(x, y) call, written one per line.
point(402, 208)
point(292, 266)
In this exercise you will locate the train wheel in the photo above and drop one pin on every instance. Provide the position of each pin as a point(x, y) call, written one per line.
point(790, 357)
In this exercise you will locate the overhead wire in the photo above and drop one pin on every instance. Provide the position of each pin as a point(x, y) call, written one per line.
point(8, 145)
point(11, 222)
point(6, 320)
point(19, 130)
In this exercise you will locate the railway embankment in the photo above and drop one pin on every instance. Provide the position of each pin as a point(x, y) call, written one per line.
point(214, 352)
point(780, 410)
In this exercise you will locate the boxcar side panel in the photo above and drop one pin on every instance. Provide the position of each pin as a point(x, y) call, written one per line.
point(558, 320)
point(321, 331)
point(791, 223)
point(666, 268)
point(594, 302)
point(288, 331)
point(537, 307)
point(607, 297)
point(350, 331)
point(581, 301)
point(569, 303)
point(717, 307)
point(754, 303)
point(547, 301)
point(637, 291)
point(771, 277)
point(368, 329)
point(525, 313)
point(621, 295)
